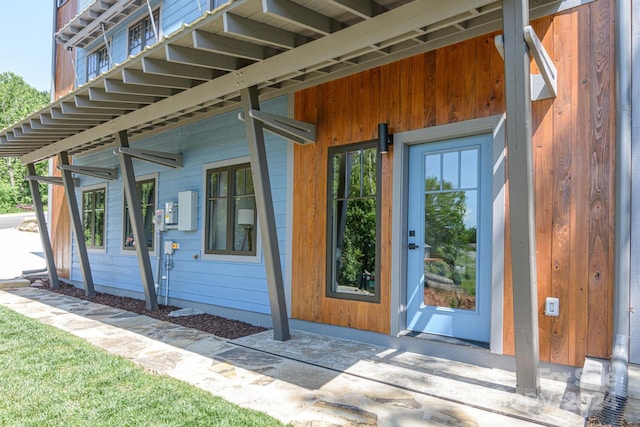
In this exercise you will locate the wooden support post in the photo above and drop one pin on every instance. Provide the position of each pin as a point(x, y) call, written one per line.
point(266, 217)
point(521, 196)
point(76, 225)
point(137, 224)
point(42, 227)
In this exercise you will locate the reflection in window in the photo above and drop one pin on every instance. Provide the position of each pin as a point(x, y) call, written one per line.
point(450, 228)
point(353, 222)
point(93, 203)
point(230, 211)
point(147, 194)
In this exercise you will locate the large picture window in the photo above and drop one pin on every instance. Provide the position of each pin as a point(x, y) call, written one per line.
point(93, 204)
point(230, 211)
point(147, 193)
point(353, 222)
point(142, 34)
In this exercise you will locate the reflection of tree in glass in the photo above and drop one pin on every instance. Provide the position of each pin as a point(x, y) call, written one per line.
point(445, 230)
point(354, 189)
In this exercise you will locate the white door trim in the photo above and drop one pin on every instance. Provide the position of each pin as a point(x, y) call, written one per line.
point(402, 141)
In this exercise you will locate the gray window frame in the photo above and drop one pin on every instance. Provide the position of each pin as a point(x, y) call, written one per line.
point(96, 56)
point(126, 222)
point(90, 244)
point(329, 292)
point(142, 23)
point(230, 196)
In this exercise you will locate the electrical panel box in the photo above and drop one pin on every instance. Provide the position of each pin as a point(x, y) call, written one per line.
point(170, 213)
point(168, 247)
point(158, 219)
point(188, 219)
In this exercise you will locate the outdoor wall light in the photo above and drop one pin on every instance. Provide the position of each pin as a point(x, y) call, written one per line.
point(384, 139)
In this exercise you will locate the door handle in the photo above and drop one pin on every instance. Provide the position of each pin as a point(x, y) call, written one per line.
point(413, 246)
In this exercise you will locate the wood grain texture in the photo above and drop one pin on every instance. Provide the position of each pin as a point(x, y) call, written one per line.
point(601, 182)
point(65, 75)
point(562, 188)
point(573, 160)
point(544, 172)
point(60, 226)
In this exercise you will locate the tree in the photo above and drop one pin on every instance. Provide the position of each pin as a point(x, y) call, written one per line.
point(17, 100)
point(445, 230)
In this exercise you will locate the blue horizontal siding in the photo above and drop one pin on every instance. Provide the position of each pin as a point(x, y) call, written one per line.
point(175, 13)
point(230, 284)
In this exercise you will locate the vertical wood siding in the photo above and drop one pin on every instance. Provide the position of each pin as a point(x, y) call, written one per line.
point(239, 285)
point(60, 220)
point(573, 142)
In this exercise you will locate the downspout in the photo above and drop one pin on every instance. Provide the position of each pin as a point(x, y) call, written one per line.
point(616, 395)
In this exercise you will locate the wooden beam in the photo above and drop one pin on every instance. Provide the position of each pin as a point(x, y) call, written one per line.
point(42, 228)
point(76, 226)
point(266, 217)
point(137, 224)
point(521, 196)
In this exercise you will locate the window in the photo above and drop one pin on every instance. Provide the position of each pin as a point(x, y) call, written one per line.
point(147, 194)
point(352, 222)
point(230, 211)
point(97, 63)
point(93, 203)
point(142, 33)
point(59, 3)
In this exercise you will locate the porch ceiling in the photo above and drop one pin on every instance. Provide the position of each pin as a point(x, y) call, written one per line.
point(280, 46)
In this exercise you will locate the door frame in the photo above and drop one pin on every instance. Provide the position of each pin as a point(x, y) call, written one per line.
point(494, 125)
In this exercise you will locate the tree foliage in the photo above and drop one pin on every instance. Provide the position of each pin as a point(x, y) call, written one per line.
point(17, 100)
point(445, 230)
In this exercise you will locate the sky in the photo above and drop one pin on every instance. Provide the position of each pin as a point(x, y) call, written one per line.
point(25, 40)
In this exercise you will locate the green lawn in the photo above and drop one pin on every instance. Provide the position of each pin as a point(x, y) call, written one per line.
point(51, 378)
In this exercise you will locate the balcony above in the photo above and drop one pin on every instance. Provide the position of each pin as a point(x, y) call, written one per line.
point(86, 26)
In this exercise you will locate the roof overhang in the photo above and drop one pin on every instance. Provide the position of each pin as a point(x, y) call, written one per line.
point(94, 20)
point(280, 46)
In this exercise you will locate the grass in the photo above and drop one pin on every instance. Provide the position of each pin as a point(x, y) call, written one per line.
point(52, 378)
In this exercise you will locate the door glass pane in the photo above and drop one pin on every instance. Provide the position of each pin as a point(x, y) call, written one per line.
point(450, 170)
point(432, 172)
point(469, 168)
point(450, 229)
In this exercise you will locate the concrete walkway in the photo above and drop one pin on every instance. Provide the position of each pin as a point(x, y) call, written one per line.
point(310, 380)
point(19, 251)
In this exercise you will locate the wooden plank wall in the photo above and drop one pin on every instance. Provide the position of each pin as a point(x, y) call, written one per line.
point(60, 226)
point(573, 154)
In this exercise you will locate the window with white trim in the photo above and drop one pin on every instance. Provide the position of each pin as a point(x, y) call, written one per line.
point(146, 189)
point(98, 62)
point(230, 212)
point(93, 217)
point(142, 34)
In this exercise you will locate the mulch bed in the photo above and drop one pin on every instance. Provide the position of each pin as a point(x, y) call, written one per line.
point(216, 325)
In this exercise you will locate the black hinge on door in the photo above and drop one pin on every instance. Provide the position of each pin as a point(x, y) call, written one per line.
point(413, 246)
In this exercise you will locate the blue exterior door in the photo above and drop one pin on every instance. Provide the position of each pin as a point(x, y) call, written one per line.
point(449, 238)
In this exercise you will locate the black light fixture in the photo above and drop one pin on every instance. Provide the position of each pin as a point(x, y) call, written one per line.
point(384, 139)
